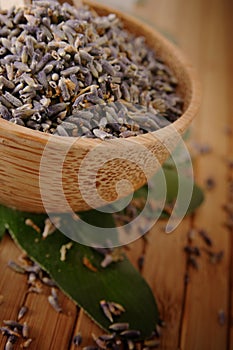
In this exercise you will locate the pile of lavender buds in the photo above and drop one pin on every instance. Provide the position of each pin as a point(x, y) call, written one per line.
point(71, 72)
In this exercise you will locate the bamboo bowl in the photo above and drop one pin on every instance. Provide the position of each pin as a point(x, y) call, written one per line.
point(21, 149)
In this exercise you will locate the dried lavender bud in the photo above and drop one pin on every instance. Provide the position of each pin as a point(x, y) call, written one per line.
point(69, 57)
point(210, 183)
point(205, 237)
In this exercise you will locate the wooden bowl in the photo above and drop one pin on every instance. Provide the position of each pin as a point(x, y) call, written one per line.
point(21, 149)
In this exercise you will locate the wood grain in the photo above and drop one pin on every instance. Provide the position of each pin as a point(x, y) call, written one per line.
point(229, 25)
point(87, 328)
point(208, 293)
point(45, 324)
point(13, 297)
point(165, 268)
point(57, 328)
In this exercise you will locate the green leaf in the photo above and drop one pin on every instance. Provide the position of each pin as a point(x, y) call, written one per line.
point(2, 225)
point(172, 185)
point(141, 192)
point(187, 134)
point(197, 199)
point(2, 231)
point(119, 282)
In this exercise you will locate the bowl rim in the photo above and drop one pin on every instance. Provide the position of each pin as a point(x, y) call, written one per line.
point(88, 143)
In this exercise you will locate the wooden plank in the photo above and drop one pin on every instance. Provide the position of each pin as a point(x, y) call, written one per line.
point(49, 329)
point(229, 22)
point(135, 250)
point(44, 323)
point(208, 292)
point(86, 327)
point(13, 297)
point(194, 41)
point(164, 269)
point(230, 197)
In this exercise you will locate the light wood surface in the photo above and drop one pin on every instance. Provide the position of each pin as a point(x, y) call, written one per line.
point(203, 30)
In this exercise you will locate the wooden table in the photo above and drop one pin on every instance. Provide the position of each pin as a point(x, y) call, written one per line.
point(203, 29)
